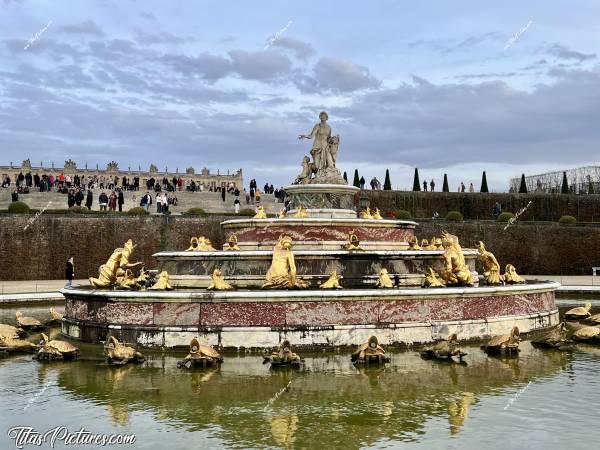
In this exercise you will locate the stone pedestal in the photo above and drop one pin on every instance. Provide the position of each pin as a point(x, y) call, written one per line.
point(324, 200)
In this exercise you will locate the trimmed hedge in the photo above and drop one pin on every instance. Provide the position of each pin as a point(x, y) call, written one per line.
point(247, 212)
point(567, 220)
point(19, 208)
point(402, 214)
point(505, 217)
point(195, 212)
point(454, 216)
point(138, 211)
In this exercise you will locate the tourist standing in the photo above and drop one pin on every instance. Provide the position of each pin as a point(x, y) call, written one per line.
point(236, 205)
point(89, 199)
point(14, 196)
point(462, 187)
point(158, 203)
point(70, 272)
point(258, 197)
point(223, 193)
point(103, 201)
point(471, 188)
point(431, 185)
point(121, 200)
point(362, 182)
point(497, 210)
point(424, 186)
point(112, 201)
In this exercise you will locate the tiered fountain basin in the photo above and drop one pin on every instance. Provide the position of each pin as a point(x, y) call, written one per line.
point(310, 318)
point(246, 269)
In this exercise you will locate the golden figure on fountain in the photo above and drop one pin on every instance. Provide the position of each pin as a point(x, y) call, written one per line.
point(376, 214)
point(366, 213)
point(204, 245)
point(511, 276)
point(218, 283)
point(333, 282)
point(301, 212)
point(282, 273)
point(282, 213)
point(232, 243)
point(490, 265)
point(413, 244)
point(432, 279)
point(384, 281)
point(193, 245)
point(115, 267)
point(162, 283)
point(353, 244)
point(456, 271)
point(260, 213)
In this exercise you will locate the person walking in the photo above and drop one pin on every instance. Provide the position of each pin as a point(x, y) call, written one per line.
point(431, 186)
point(70, 272)
point(121, 200)
point(89, 199)
point(236, 205)
point(159, 203)
point(462, 187)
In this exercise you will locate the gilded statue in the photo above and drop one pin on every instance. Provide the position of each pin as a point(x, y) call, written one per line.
point(200, 355)
point(218, 283)
point(456, 271)
point(284, 356)
point(424, 244)
point(282, 273)
point(162, 283)
point(511, 276)
point(301, 212)
point(333, 282)
point(366, 213)
point(413, 244)
point(260, 213)
point(384, 281)
point(432, 279)
point(376, 214)
point(204, 245)
point(282, 213)
point(353, 244)
point(115, 267)
point(324, 152)
point(118, 353)
point(490, 265)
point(438, 245)
point(193, 245)
point(370, 353)
point(232, 243)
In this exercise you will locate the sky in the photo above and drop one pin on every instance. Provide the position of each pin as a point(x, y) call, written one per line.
point(449, 87)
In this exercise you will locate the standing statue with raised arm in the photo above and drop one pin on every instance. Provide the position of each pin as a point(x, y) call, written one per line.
point(324, 153)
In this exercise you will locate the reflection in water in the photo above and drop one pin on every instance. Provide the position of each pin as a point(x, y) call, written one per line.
point(458, 411)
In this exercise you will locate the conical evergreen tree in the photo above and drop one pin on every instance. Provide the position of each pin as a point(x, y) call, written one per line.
point(484, 186)
point(590, 187)
point(523, 186)
point(356, 181)
point(346, 177)
point(387, 184)
point(445, 187)
point(416, 183)
point(565, 184)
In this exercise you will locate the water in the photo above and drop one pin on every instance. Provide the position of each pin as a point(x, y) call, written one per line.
point(543, 399)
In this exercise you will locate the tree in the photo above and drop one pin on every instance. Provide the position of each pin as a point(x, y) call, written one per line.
point(387, 184)
point(356, 181)
point(523, 186)
point(590, 187)
point(484, 186)
point(565, 184)
point(416, 183)
point(445, 187)
point(346, 177)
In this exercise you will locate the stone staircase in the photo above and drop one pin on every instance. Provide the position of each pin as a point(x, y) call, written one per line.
point(211, 202)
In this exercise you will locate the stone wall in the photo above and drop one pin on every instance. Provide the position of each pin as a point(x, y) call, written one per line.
point(478, 206)
point(40, 250)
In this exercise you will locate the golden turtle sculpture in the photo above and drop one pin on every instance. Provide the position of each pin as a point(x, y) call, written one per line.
point(556, 338)
point(333, 282)
point(432, 279)
point(11, 344)
point(595, 319)
point(55, 318)
point(384, 281)
point(200, 356)
point(579, 313)
point(10, 331)
point(218, 283)
point(284, 356)
point(506, 344)
point(444, 350)
point(27, 323)
point(55, 349)
point(118, 353)
point(587, 334)
point(370, 353)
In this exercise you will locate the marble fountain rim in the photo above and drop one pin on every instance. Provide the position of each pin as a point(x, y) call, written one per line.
point(319, 221)
point(308, 295)
point(182, 254)
point(321, 187)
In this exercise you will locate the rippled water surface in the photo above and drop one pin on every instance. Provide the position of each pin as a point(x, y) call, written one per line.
point(543, 399)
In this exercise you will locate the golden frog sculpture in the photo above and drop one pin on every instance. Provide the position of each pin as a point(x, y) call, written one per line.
point(456, 271)
point(301, 212)
point(204, 245)
point(115, 267)
point(162, 282)
point(511, 276)
point(432, 279)
point(370, 353)
point(193, 244)
point(260, 213)
point(333, 282)
point(376, 214)
point(353, 244)
point(118, 353)
point(384, 281)
point(284, 356)
point(282, 273)
point(232, 243)
point(424, 244)
point(413, 244)
point(218, 283)
point(490, 265)
point(366, 213)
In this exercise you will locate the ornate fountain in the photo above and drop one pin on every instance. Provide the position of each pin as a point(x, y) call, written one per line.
point(323, 273)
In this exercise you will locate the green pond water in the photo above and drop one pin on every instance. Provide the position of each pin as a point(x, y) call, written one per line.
point(542, 399)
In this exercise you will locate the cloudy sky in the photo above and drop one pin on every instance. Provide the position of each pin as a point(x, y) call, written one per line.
point(456, 87)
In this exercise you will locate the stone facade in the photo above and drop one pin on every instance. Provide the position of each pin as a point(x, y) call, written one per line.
point(113, 170)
